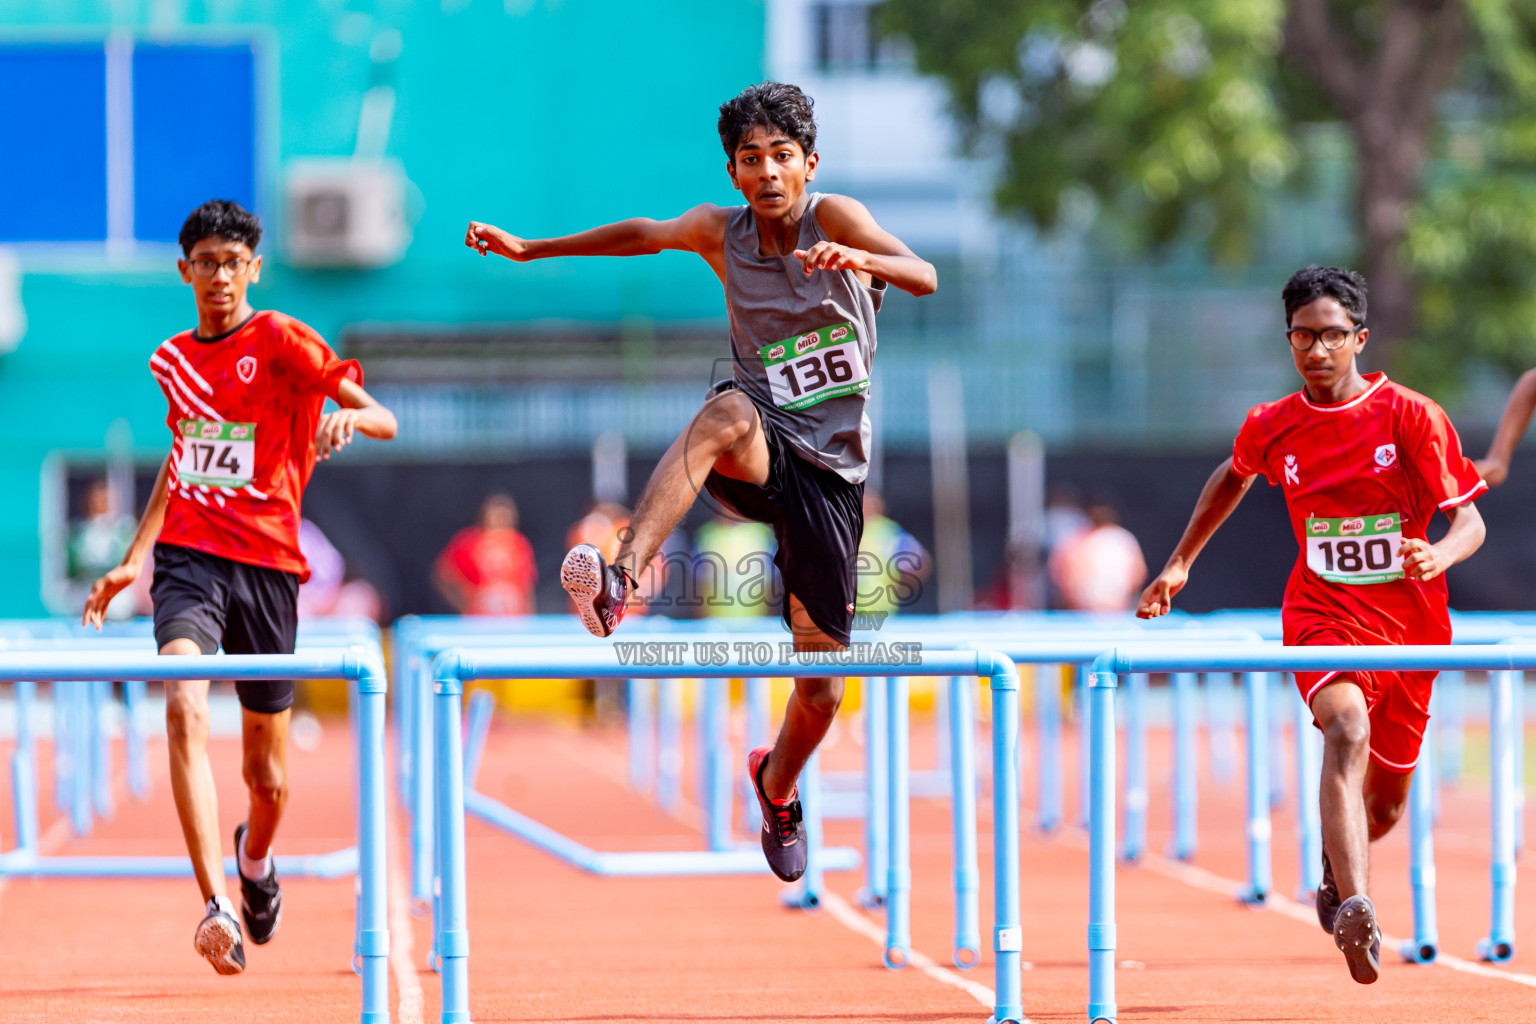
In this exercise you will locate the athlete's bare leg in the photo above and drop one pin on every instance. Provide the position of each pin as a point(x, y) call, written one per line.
point(1386, 797)
point(1340, 709)
point(197, 802)
point(810, 711)
point(264, 742)
point(724, 435)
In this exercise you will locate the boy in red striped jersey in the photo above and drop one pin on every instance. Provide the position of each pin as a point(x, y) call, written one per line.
point(1364, 463)
point(245, 392)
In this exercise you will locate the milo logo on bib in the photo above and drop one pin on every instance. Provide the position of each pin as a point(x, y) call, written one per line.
point(217, 454)
point(815, 366)
point(1356, 549)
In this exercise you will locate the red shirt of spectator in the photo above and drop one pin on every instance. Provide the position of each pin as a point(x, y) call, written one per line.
point(488, 568)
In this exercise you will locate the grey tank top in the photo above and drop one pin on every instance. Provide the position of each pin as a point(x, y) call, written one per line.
point(802, 347)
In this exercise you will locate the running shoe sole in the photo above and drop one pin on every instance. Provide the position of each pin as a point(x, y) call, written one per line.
point(1357, 937)
point(218, 941)
point(581, 574)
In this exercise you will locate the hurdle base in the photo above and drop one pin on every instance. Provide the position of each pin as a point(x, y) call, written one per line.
point(23, 863)
point(799, 898)
point(1419, 951)
point(1251, 897)
point(1495, 951)
point(869, 899)
point(744, 859)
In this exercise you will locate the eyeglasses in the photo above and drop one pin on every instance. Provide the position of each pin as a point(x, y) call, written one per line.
point(204, 267)
point(1333, 338)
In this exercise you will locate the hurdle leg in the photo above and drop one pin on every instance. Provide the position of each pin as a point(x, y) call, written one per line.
point(1084, 742)
point(716, 752)
point(1186, 770)
point(452, 929)
point(1309, 818)
point(1499, 946)
point(1424, 945)
point(758, 724)
point(1219, 726)
point(482, 708)
point(135, 743)
point(1048, 747)
point(962, 779)
point(1517, 736)
point(1256, 691)
point(640, 718)
point(898, 876)
point(24, 768)
point(1451, 696)
point(1135, 767)
point(1101, 853)
point(372, 870)
point(876, 797)
point(423, 774)
point(669, 743)
point(101, 748)
point(1008, 932)
point(79, 743)
point(807, 895)
point(1274, 695)
point(59, 694)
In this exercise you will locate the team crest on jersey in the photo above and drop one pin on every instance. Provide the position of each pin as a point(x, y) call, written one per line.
point(1386, 456)
point(246, 368)
point(1292, 471)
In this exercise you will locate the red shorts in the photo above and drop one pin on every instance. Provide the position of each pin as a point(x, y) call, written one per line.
point(1398, 702)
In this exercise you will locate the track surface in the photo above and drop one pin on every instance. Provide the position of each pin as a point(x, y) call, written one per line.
point(550, 943)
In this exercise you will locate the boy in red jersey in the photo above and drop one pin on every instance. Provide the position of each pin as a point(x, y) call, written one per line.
point(1364, 463)
point(245, 392)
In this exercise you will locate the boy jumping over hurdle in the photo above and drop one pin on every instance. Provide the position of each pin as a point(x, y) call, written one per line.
point(786, 441)
point(245, 392)
point(1364, 464)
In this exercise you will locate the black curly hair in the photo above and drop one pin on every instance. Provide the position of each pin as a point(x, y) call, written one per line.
point(773, 105)
point(224, 218)
point(1312, 283)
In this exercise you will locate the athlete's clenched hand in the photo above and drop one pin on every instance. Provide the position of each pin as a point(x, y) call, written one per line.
point(1494, 471)
point(831, 256)
point(1422, 561)
point(335, 432)
point(104, 590)
point(488, 238)
point(1157, 599)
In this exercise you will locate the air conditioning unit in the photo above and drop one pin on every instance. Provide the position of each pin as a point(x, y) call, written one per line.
point(346, 213)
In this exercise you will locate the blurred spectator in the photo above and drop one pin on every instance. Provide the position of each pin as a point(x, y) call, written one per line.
point(603, 527)
point(891, 564)
point(329, 592)
point(487, 569)
point(97, 544)
point(1065, 520)
point(1100, 569)
point(734, 568)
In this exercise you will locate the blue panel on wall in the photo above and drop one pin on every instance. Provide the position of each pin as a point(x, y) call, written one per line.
point(194, 133)
point(53, 134)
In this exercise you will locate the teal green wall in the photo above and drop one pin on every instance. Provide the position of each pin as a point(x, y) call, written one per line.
point(562, 115)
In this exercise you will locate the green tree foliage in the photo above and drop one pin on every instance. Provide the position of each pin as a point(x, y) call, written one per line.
point(1182, 119)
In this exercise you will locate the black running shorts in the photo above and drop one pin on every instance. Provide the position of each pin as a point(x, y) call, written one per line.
point(817, 518)
point(248, 609)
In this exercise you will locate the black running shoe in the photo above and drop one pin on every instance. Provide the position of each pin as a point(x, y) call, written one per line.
point(218, 940)
point(261, 901)
point(600, 590)
point(1327, 897)
point(1356, 934)
point(783, 830)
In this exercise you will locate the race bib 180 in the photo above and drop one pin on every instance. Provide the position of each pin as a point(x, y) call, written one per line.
point(217, 454)
point(1356, 549)
point(814, 367)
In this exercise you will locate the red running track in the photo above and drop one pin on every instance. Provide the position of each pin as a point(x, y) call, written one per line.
point(550, 943)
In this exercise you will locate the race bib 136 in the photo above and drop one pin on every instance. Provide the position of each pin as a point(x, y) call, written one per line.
point(1356, 549)
point(813, 367)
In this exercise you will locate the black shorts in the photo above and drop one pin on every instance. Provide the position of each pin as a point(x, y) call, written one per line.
point(212, 600)
point(818, 520)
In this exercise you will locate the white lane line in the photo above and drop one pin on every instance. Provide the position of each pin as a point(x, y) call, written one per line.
point(402, 947)
point(1199, 878)
point(848, 917)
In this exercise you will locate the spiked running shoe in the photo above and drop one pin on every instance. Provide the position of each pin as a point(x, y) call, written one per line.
point(783, 830)
point(1356, 935)
point(261, 901)
point(1327, 897)
point(600, 590)
point(218, 940)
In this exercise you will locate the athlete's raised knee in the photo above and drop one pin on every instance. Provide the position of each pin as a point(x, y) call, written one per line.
point(725, 420)
point(267, 780)
point(821, 696)
point(1348, 735)
point(186, 719)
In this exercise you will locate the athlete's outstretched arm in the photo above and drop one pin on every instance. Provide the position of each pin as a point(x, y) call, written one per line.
point(359, 411)
point(126, 571)
point(700, 230)
point(1424, 561)
point(859, 243)
point(1218, 498)
point(1517, 416)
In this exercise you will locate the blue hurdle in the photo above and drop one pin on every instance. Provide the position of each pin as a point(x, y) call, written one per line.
point(455, 667)
point(371, 948)
point(1503, 662)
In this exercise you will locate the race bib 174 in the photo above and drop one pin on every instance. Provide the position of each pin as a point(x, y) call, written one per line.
point(1356, 549)
point(810, 368)
point(217, 454)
